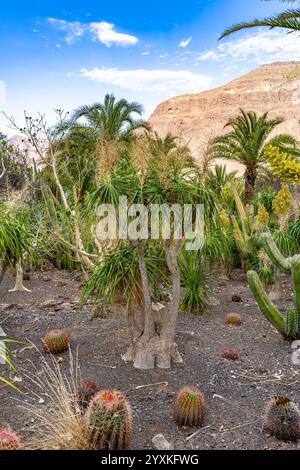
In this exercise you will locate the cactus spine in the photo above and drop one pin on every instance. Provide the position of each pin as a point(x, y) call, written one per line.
point(189, 407)
point(56, 341)
point(109, 421)
point(282, 419)
point(289, 326)
point(9, 440)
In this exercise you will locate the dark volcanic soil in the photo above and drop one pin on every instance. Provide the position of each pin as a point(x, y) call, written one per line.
point(235, 392)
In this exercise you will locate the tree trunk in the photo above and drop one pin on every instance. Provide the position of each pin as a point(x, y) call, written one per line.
point(19, 287)
point(153, 345)
point(250, 179)
point(3, 268)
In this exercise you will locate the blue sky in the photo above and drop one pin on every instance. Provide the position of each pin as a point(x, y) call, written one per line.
point(66, 53)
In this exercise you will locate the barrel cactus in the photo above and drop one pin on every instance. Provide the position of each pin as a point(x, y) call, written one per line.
point(109, 421)
point(288, 326)
point(231, 354)
point(85, 392)
point(282, 419)
point(189, 407)
point(9, 440)
point(234, 319)
point(56, 341)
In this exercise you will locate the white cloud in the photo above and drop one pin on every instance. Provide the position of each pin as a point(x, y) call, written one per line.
point(155, 81)
point(260, 48)
point(185, 42)
point(106, 34)
point(146, 53)
point(73, 29)
point(102, 31)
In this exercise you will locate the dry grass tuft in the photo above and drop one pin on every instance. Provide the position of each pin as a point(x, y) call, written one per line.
point(57, 421)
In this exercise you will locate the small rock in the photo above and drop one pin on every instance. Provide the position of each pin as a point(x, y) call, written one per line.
point(62, 283)
point(26, 277)
point(160, 443)
point(65, 305)
point(48, 303)
point(7, 306)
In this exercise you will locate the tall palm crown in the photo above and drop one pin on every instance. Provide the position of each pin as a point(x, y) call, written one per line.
point(289, 19)
point(111, 120)
point(246, 144)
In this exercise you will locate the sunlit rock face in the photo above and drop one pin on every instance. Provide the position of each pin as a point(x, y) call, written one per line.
point(199, 117)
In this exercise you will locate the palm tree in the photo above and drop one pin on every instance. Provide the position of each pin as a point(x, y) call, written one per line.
point(289, 19)
point(246, 144)
point(102, 130)
point(111, 120)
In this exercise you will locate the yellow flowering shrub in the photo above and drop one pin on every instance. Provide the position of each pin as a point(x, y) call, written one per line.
point(262, 216)
point(283, 165)
point(224, 218)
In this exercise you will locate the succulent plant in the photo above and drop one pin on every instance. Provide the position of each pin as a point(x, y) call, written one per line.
point(85, 392)
point(56, 341)
point(282, 419)
point(109, 421)
point(288, 326)
point(234, 319)
point(9, 440)
point(231, 354)
point(189, 407)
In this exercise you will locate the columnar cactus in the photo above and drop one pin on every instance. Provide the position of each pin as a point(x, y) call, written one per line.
point(282, 419)
point(109, 421)
point(56, 341)
point(9, 440)
point(189, 407)
point(289, 327)
point(85, 392)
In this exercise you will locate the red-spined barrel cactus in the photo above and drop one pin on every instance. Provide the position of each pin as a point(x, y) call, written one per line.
point(56, 341)
point(282, 419)
point(9, 440)
point(189, 407)
point(109, 421)
point(234, 319)
point(85, 392)
point(231, 354)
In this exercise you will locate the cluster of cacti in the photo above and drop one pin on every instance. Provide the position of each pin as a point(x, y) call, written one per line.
point(234, 319)
point(231, 354)
point(85, 392)
point(189, 407)
point(282, 419)
point(109, 421)
point(9, 440)
point(56, 341)
point(284, 166)
point(288, 326)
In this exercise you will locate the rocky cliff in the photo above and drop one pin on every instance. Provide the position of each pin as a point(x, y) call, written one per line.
point(198, 117)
